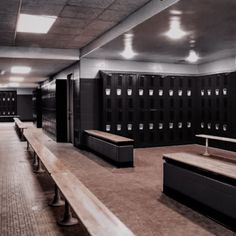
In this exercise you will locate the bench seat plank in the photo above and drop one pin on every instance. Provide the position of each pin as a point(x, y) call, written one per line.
point(219, 138)
point(109, 137)
point(97, 219)
point(209, 164)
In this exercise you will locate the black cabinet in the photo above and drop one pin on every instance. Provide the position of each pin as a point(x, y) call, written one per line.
point(37, 108)
point(54, 109)
point(154, 110)
point(8, 105)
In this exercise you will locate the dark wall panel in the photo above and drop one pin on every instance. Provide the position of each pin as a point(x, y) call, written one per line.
point(24, 107)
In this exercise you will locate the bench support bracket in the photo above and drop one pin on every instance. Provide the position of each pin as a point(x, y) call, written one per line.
point(39, 168)
point(68, 219)
point(57, 201)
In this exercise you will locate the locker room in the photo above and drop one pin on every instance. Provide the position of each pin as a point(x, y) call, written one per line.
point(117, 117)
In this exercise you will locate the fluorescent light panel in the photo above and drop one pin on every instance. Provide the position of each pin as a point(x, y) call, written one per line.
point(20, 70)
point(35, 24)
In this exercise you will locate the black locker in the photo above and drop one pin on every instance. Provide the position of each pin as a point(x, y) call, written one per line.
point(8, 105)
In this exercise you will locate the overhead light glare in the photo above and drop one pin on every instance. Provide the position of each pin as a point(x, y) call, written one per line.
point(35, 24)
point(17, 79)
point(2, 72)
point(193, 57)
point(128, 52)
point(3, 85)
point(20, 70)
point(175, 32)
point(176, 12)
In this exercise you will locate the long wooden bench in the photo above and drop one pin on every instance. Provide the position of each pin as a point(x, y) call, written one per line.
point(213, 137)
point(205, 184)
point(95, 216)
point(20, 127)
point(116, 148)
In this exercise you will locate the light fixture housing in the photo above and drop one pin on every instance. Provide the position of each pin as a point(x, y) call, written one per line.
point(193, 57)
point(20, 69)
point(128, 52)
point(37, 24)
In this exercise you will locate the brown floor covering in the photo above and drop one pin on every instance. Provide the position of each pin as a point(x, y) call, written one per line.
point(133, 194)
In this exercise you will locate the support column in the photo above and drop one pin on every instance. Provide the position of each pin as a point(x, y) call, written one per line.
point(57, 201)
point(68, 219)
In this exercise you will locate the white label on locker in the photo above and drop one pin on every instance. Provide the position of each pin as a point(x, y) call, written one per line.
point(202, 92)
point(140, 92)
point(180, 93)
point(151, 92)
point(189, 125)
point(129, 92)
point(225, 127)
point(209, 92)
point(118, 127)
point(171, 93)
point(4, 113)
point(160, 126)
point(189, 93)
point(8, 99)
point(209, 125)
point(3, 99)
point(217, 126)
point(13, 113)
point(141, 126)
point(108, 92)
point(118, 92)
point(129, 126)
point(180, 125)
point(224, 91)
point(171, 125)
point(160, 92)
point(13, 99)
point(108, 127)
point(151, 126)
point(217, 92)
point(8, 113)
point(202, 125)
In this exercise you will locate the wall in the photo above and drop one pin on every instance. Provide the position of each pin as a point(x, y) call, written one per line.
point(90, 67)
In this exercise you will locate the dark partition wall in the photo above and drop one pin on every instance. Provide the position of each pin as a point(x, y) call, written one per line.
point(154, 110)
point(24, 107)
point(8, 105)
point(54, 109)
point(37, 108)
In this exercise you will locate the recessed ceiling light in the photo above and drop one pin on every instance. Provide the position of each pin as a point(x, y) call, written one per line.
point(193, 57)
point(16, 79)
point(175, 32)
point(20, 70)
point(128, 53)
point(35, 24)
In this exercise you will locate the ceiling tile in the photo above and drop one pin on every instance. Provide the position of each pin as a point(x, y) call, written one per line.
point(91, 3)
point(128, 5)
point(70, 22)
point(81, 12)
point(113, 15)
point(51, 10)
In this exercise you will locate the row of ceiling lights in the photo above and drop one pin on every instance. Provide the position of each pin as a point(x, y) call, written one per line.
point(175, 32)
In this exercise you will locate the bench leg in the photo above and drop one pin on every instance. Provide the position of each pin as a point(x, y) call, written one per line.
point(206, 153)
point(39, 168)
point(57, 201)
point(36, 161)
point(68, 219)
point(27, 145)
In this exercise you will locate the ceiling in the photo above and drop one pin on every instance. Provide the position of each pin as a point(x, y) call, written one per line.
point(211, 23)
point(79, 22)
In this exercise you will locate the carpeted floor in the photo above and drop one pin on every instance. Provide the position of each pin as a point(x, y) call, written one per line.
point(133, 194)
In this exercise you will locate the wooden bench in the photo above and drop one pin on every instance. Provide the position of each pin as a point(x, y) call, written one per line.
point(207, 137)
point(95, 216)
point(205, 184)
point(20, 127)
point(116, 148)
